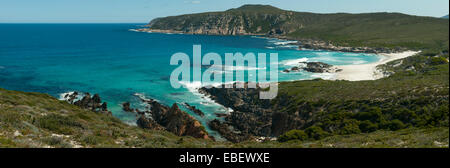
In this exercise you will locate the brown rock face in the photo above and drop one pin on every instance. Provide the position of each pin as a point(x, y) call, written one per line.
point(182, 124)
point(146, 123)
point(173, 119)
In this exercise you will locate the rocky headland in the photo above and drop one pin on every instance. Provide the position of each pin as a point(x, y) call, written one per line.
point(252, 117)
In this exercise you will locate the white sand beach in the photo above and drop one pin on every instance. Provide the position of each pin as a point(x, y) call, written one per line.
point(369, 71)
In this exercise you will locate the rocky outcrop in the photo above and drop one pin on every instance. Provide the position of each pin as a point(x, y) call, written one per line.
point(71, 97)
point(314, 67)
point(317, 67)
point(251, 115)
point(173, 119)
point(255, 117)
point(93, 103)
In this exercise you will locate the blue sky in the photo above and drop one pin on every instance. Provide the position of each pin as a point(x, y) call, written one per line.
point(142, 11)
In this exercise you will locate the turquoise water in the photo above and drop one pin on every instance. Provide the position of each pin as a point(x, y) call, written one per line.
point(117, 63)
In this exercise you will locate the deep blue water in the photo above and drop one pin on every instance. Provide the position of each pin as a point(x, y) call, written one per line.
point(117, 63)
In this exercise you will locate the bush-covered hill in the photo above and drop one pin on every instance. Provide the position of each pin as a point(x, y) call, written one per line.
point(354, 30)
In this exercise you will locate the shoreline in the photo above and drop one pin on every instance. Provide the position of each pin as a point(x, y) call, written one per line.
point(302, 44)
point(369, 71)
point(349, 72)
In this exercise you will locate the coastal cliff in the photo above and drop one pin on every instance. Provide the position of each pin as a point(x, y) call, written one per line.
point(246, 20)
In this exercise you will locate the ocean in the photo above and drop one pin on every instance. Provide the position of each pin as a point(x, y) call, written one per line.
point(121, 64)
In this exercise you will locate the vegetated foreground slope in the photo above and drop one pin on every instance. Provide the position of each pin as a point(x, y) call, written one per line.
point(355, 30)
point(30, 120)
point(39, 120)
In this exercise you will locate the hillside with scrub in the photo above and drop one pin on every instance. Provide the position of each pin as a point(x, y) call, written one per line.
point(389, 30)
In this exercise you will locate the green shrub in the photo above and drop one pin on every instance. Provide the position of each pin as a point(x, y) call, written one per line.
point(367, 126)
point(56, 142)
point(373, 114)
point(350, 127)
point(90, 140)
point(316, 132)
point(394, 125)
point(293, 135)
point(59, 124)
point(438, 60)
point(405, 115)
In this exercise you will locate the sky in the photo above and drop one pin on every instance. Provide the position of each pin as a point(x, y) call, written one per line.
point(142, 11)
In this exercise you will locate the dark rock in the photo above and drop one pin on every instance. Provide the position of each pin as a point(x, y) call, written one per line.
point(317, 67)
point(227, 133)
point(254, 116)
point(127, 107)
point(104, 106)
point(93, 103)
point(195, 110)
point(71, 97)
point(221, 115)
